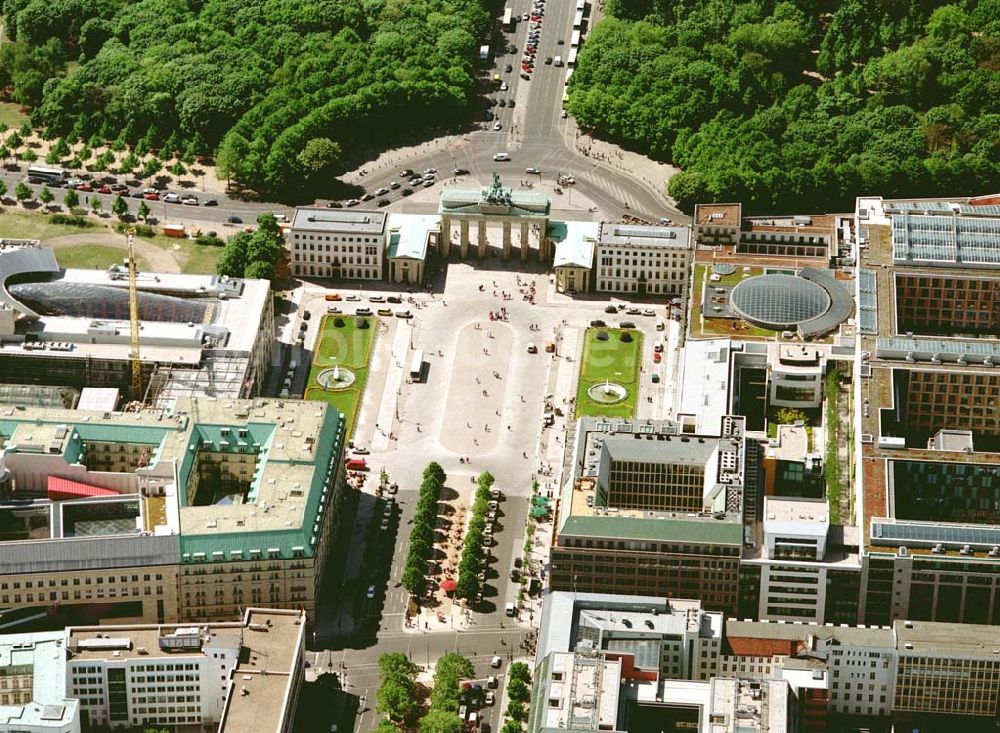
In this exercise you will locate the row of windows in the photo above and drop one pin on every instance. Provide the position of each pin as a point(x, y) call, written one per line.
point(77, 595)
point(76, 581)
point(328, 238)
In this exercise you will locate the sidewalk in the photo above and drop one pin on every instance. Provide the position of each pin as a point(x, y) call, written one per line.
point(397, 362)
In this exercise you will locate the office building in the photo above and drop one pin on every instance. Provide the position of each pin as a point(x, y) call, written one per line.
point(929, 430)
point(199, 335)
point(573, 243)
point(643, 259)
point(800, 236)
point(645, 548)
point(33, 690)
point(235, 677)
point(190, 514)
point(337, 243)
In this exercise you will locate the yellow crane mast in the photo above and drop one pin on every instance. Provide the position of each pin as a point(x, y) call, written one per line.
point(133, 315)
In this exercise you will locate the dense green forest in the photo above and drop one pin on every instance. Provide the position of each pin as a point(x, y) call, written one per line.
point(276, 90)
point(802, 104)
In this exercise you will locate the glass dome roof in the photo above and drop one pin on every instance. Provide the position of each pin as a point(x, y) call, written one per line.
point(779, 301)
point(85, 300)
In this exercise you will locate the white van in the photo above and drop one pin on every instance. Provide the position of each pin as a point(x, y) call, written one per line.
point(557, 61)
point(658, 347)
point(501, 156)
point(660, 325)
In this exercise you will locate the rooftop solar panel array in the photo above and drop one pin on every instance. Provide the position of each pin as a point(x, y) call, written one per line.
point(946, 240)
point(868, 305)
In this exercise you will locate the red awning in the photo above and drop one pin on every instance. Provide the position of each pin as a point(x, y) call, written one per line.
point(448, 585)
point(63, 488)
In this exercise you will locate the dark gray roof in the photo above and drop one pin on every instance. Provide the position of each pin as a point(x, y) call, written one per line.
point(661, 449)
point(779, 301)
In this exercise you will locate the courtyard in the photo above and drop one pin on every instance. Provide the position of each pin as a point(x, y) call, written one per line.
point(339, 368)
point(609, 372)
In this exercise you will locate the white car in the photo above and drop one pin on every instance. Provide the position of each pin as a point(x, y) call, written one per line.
point(381, 191)
point(525, 16)
point(496, 662)
point(172, 198)
point(501, 157)
point(504, 87)
point(430, 171)
point(371, 592)
point(360, 450)
point(497, 126)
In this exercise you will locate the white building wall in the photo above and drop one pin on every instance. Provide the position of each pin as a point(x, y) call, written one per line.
point(861, 679)
point(620, 268)
point(360, 256)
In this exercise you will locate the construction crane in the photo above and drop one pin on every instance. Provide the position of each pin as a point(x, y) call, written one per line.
point(133, 315)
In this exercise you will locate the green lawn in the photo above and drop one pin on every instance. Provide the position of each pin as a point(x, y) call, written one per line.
point(347, 346)
point(94, 256)
point(613, 360)
point(191, 257)
point(11, 115)
point(20, 224)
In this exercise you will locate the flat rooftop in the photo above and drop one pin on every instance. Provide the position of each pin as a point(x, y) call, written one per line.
point(876, 636)
point(118, 643)
point(354, 221)
point(267, 672)
point(925, 637)
point(45, 653)
point(718, 214)
point(795, 224)
point(643, 236)
point(796, 511)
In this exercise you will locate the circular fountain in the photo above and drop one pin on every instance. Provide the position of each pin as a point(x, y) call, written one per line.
point(607, 393)
point(337, 377)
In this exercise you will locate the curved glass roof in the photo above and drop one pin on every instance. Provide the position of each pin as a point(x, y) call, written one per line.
point(85, 300)
point(779, 301)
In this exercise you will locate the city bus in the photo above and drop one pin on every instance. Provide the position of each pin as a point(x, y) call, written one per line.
point(571, 58)
point(508, 19)
point(417, 366)
point(578, 20)
point(575, 39)
point(40, 174)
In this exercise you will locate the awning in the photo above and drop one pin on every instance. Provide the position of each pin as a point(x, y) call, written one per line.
point(448, 585)
point(63, 488)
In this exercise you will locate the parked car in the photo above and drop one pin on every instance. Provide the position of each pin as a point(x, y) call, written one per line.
point(382, 202)
point(172, 198)
point(367, 197)
point(406, 191)
point(376, 298)
point(233, 219)
point(460, 172)
point(211, 202)
point(394, 185)
point(405, 173)
point(352, 202)
point(149, 196)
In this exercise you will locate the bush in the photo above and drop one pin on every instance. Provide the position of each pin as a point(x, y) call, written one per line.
point(207, 240)
point(338, 322)
point(72, 220)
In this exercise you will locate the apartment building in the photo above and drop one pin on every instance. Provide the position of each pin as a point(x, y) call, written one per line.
point(234, 677)
point(33, 693)
point(156, 516)
point(643, 259)
point(337, 243)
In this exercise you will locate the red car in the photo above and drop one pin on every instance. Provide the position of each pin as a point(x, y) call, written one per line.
point(104, 189)
point(152, 197)
point(85, 187)
point(656, 357)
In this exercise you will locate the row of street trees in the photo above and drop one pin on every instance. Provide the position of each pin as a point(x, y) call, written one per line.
point(518, 695)
point(422, 532)
point(473, 559)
